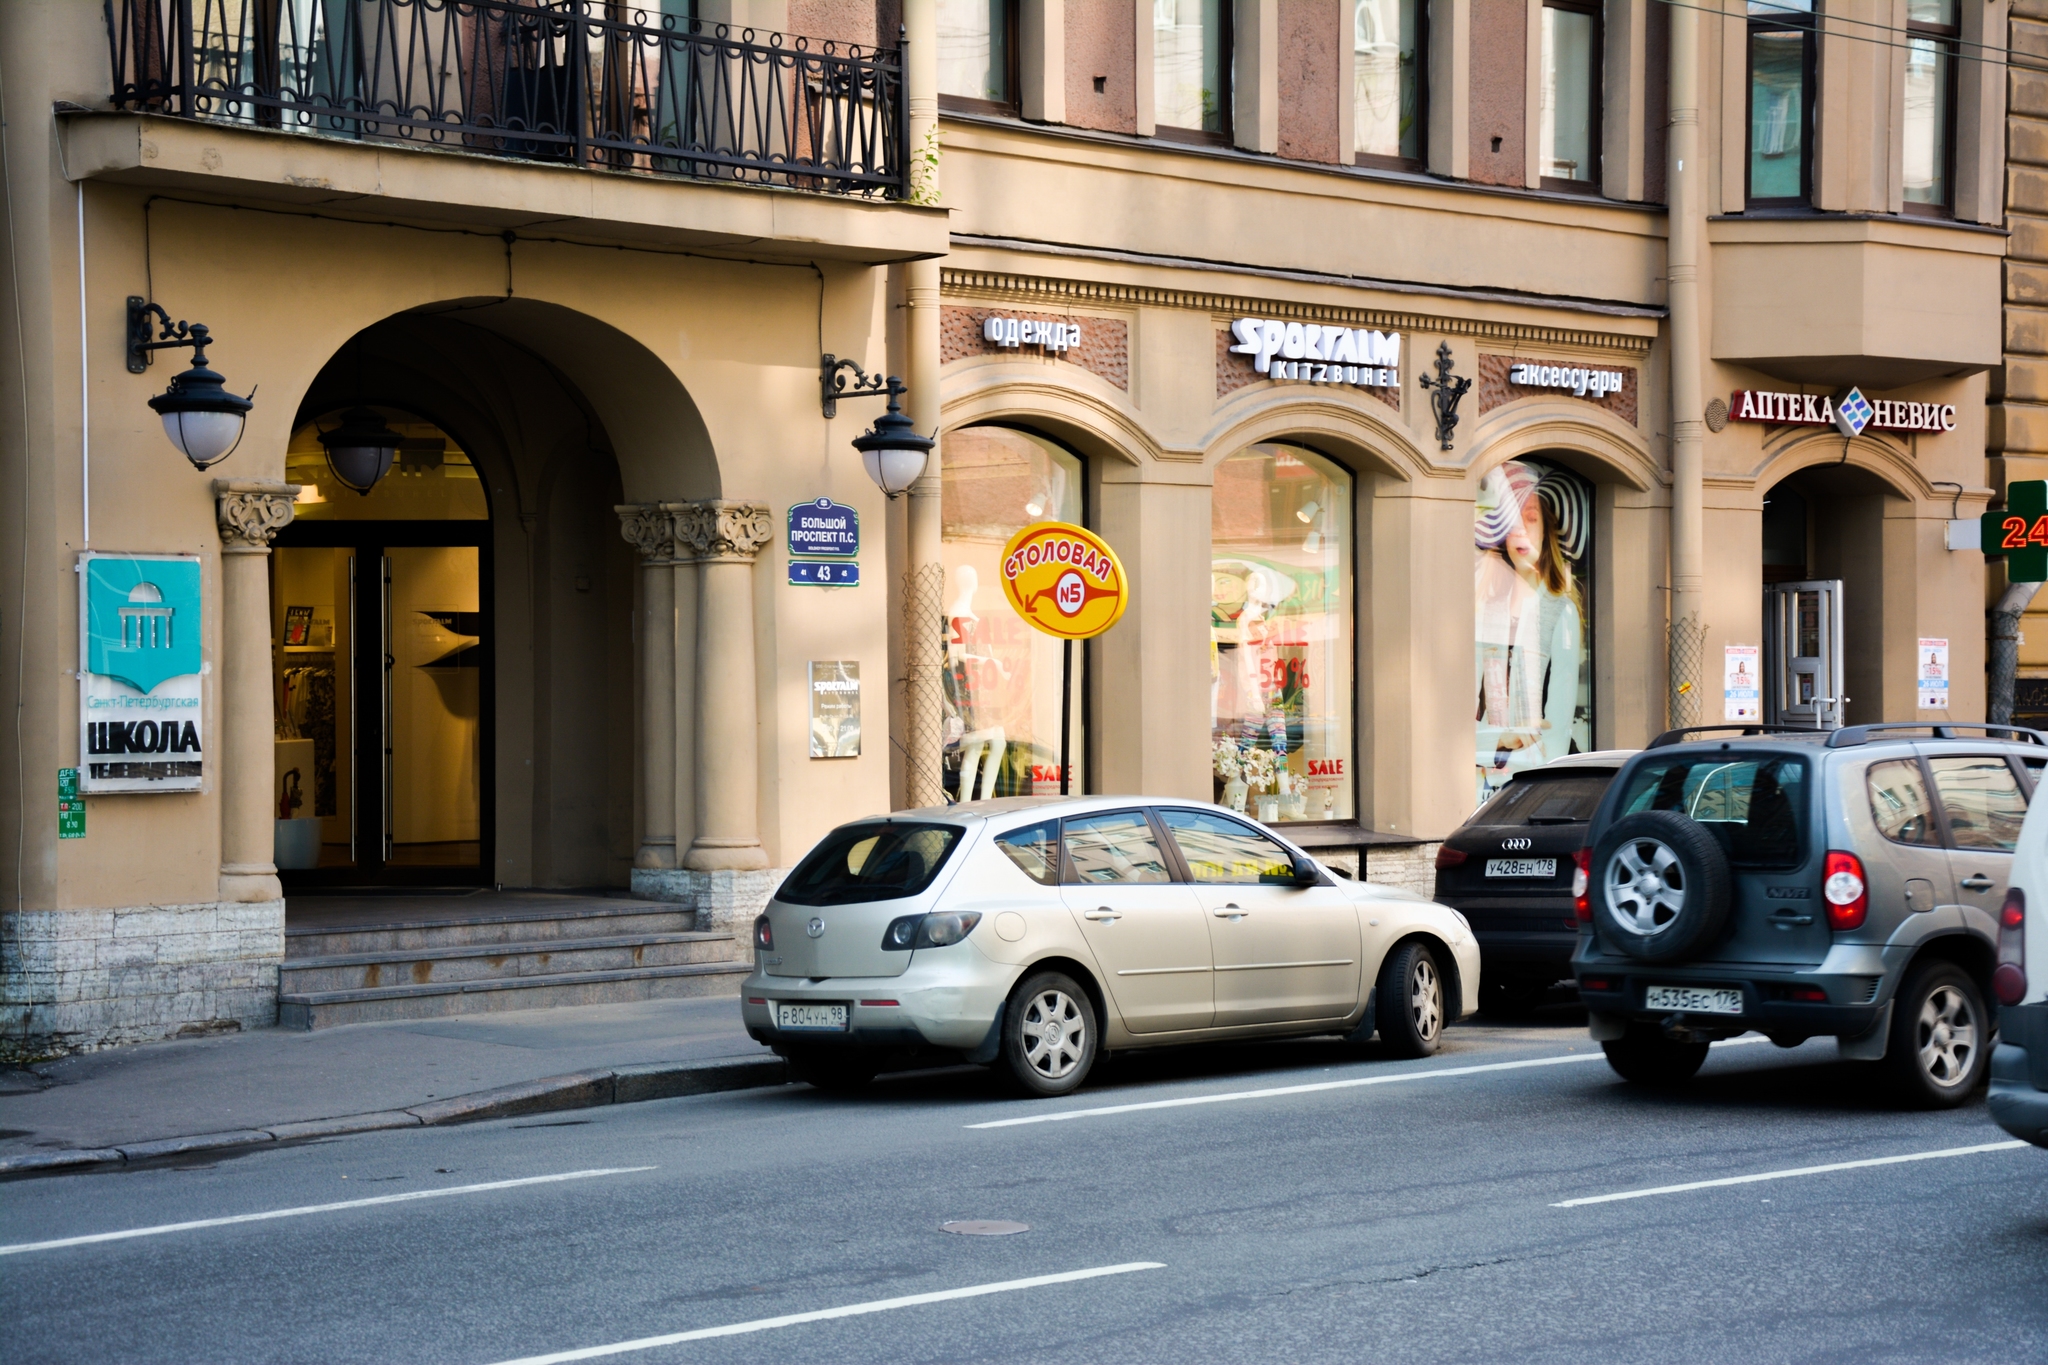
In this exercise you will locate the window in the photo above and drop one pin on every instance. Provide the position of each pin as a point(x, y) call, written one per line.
point(1532, 536)
point(1387, 91)
point(1115, 850)
point(1565, 798)
point(977, 54)
point(1900, 805)
point(1982, 800)
point(1222, 852)
point(1191, 68)
point(1930, 105)
point(1035, 849)
point(871, 862)
point(1280, 631)
point(1002, 694)
point(1569, 112)
point(1755, 807)
point(1780, 101)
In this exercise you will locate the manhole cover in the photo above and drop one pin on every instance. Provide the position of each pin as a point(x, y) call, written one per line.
point(984, 1227)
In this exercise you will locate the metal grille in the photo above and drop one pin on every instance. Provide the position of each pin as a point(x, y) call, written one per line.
point(584, 82)
point(1688, 647)
point(924, 617)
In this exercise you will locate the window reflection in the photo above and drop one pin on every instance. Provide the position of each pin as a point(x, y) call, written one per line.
point(1386, 42)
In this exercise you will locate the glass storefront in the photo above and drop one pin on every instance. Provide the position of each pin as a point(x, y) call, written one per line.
point(1002, 679)
point(1281, 614)
point(1532, 540)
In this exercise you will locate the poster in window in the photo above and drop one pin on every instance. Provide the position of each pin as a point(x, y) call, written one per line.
point(1532, 541)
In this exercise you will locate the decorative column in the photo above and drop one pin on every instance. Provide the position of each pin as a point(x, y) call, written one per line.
point(725, 539)
point(249, 515)
point(683, 568)
point(647, 529)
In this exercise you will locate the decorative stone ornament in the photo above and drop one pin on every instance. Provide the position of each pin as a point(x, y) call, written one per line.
point(648, 528)
point(250, 514)
point(719, 530)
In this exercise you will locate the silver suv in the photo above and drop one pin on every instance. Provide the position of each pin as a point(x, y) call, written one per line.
point(1805, 884)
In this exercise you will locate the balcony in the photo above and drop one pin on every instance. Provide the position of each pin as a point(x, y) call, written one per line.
point(504, 114)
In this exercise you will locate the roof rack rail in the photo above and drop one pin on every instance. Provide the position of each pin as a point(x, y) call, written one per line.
point(1861, 734)
point(1751, 728)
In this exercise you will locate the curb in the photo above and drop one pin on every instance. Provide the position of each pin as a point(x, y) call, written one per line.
point(549, 1094)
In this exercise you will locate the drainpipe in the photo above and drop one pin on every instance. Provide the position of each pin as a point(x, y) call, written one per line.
point(2005, 649)
point(1688, 435)
point(924, 585)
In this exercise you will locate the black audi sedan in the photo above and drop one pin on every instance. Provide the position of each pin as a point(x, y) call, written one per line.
point(1509, 868)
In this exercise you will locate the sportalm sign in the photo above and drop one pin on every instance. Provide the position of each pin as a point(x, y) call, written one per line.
point(141, 677)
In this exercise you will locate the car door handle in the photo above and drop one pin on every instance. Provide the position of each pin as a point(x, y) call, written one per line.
point(1104, 914)
point(1977, 881)
point(1230, 912)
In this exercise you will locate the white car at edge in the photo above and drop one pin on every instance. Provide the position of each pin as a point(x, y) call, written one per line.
point(1034, 933)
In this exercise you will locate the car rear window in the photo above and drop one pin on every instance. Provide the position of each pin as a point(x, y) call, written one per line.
point(1756, 806)
point(1561, 798)
point(872, 862)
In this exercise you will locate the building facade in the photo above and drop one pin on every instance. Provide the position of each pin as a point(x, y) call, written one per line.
point(1462, 384)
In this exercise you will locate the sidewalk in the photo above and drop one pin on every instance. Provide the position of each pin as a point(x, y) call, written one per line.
point(270, 1077)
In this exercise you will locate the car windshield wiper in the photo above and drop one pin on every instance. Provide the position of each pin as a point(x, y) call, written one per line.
point(1553, 820)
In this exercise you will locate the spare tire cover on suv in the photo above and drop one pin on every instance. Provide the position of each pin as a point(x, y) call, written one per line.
point(1659, 886)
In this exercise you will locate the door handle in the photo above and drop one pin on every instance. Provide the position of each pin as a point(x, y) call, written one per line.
point(1229, 912)
point(1104, 914)
point(1977, 881)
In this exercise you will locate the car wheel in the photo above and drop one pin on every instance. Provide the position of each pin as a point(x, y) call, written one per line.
point(1050, 1038)
point(838, 1070)
point(1660, 887)
point(1411, 1001)
point(1940, 1041)
point(1644, 1055)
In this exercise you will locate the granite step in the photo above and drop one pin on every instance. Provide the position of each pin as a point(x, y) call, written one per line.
point(497, 961)
point(436, 1000)
point(541, 923)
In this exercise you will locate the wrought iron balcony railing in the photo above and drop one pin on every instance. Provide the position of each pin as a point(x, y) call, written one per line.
point(584, 82)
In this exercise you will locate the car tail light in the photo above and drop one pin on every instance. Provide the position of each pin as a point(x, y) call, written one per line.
point(929, 931)
point(1582, 884)
point(1846, 891)
point(878, 1004)
point(764, 934)
point(1446, 856)
point(2009, 981)
point(1596, 983)
point(1811, 994)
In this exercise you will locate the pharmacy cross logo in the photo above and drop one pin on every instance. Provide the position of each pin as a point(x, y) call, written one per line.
point(142, 619)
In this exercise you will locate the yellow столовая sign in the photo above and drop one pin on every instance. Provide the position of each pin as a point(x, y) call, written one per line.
point(1064, 580)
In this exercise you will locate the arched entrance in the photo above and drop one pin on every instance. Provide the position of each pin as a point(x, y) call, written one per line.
point(1824, 563)
point(454, 657)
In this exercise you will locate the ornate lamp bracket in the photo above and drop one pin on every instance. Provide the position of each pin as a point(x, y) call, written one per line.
point(832, 385)
point(1448, 393)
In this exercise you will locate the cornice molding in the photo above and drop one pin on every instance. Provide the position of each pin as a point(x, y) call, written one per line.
point(1044, 291)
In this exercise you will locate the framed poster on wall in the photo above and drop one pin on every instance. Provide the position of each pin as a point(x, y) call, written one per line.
point(141, 674)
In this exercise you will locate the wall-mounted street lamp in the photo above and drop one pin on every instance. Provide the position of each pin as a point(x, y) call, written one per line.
point(894, 454)
point(203, 420)
point(361, 449)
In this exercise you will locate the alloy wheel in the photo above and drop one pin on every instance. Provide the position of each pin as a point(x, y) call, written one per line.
point(1946, 1034)
point(1646, 886)
point(1055, 1034)
point(1426, 998)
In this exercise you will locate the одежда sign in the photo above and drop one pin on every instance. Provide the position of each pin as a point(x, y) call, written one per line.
point(140, 673)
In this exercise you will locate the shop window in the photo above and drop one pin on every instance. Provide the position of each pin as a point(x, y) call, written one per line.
point(1191, 69)
point(1569, 113)
point(1003, 679)
point(431, 478)
point(1280, 629)
point(1387, 95)
point(977, 55)
point(1532, 534)
point(1781, 62)
point(1930, 105)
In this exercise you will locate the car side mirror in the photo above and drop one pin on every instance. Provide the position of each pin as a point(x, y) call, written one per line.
point(1305, 872)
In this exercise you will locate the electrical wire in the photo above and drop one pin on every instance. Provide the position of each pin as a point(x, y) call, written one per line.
point(1822, 26)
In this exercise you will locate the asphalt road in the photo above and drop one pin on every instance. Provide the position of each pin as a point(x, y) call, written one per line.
point(1370, 1210)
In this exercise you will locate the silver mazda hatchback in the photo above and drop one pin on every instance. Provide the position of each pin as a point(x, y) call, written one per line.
point(1034, 933)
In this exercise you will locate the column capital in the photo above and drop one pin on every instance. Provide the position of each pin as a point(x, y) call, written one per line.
point(645, 525)
point(249, 513)
point(718, 530)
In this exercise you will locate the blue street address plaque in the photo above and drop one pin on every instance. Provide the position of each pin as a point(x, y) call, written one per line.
point(824, 575)
point(824, 527)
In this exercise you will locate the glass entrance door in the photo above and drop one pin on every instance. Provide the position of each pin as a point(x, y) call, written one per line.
point(1803, 654)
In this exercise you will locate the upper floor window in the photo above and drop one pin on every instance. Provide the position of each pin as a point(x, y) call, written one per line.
point(1569, 113)
point(1781, 53)
point(1387, 91)
point(1191, 68)
point(977, 54)
point(1930, 104)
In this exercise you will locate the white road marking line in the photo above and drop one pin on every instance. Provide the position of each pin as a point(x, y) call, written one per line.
point(1797, 1170)
point(162, 1228)
point(852, 1310)
point(1272, 1092)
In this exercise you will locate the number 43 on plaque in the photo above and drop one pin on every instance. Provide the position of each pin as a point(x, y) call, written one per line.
point(809, 574)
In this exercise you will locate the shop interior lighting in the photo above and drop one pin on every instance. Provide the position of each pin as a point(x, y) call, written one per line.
point(361, 449)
